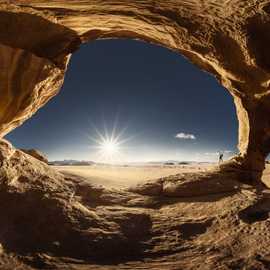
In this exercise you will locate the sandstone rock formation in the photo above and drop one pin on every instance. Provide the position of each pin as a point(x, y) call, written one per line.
point(53, 221)
point(161, 223)
point(36, 154)
point(228, 39)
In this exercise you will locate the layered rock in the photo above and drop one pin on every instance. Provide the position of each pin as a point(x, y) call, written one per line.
point(53, 221)
point(228, 39)
point(42, 211)
point(187, 221)
point(36, 154)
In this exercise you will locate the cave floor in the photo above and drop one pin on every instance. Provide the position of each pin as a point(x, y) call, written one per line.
point(228, 230)
point(192, 220)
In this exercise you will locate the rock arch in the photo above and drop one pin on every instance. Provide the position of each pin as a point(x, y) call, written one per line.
point(228, 39)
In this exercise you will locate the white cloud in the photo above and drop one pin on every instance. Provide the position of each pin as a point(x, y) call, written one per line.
point(185, 136)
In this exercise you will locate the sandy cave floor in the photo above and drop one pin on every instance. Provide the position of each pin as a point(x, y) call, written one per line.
point(196, 219)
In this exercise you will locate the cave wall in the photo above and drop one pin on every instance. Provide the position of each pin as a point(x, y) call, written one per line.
point(228, 39)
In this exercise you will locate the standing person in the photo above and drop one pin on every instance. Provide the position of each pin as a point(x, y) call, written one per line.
point(220, 157)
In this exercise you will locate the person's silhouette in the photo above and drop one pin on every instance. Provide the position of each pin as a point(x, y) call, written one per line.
point(220, 157)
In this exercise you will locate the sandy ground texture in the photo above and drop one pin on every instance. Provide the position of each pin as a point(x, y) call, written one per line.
point(126, 176)
point(123, 177)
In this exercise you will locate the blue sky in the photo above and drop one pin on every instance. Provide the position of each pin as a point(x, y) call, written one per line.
point(165, 107)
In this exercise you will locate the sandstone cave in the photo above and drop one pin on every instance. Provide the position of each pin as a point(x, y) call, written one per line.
point(49, 221)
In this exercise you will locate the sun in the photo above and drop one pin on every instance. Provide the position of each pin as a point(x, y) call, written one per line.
point(109, 146)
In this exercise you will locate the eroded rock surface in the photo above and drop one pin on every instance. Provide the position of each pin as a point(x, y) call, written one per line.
point(36, 154)
point(191, 184)
point(228, 39)
point(56, 221)
point(49, 220)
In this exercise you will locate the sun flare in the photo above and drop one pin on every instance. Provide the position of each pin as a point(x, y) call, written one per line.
point(109, 146)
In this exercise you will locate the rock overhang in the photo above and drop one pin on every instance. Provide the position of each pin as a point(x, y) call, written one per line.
point(227, 39)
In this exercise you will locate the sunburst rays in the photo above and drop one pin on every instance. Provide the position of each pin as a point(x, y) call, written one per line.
point(110, 146)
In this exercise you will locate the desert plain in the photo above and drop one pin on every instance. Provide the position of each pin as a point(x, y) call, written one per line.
point(117, 176)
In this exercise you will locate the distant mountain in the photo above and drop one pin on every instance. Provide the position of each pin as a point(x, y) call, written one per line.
point(177, 162)
point(71, 162)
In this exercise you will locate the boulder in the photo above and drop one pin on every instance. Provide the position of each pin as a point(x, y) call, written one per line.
point(36, 154)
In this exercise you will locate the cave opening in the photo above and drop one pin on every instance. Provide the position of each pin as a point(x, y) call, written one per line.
point(165, 110)
point(55, 220)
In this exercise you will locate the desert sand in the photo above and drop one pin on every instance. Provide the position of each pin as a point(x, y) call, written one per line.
point(127, 176)
point(124, 177)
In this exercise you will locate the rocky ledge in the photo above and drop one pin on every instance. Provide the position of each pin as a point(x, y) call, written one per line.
point(50, 220)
